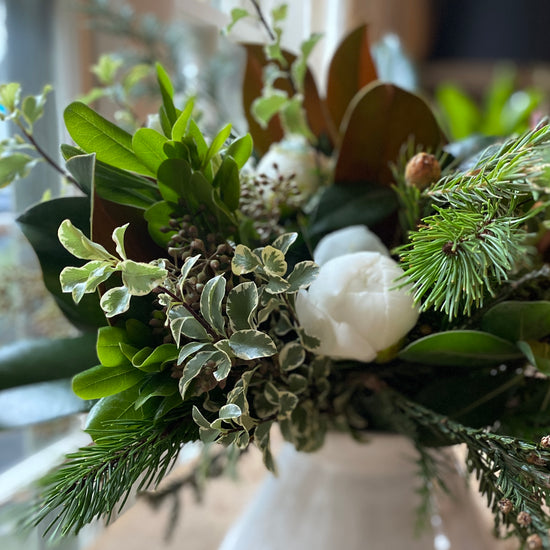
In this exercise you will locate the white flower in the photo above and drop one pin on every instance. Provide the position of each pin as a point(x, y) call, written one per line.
point(351, 309)
point(355, 238)
point(295, 156)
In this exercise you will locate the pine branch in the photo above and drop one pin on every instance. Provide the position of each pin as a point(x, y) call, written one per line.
point(96, 481)
point(513, 474)
point(460, 254)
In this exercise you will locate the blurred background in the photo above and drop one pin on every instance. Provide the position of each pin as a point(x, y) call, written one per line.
point(484, 66)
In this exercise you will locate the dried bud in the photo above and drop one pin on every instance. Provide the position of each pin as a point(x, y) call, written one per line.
point(545, 442)
point(422, 170)
point(534, 542)
point(505, 505)
point(533, 458)
point(524, 519)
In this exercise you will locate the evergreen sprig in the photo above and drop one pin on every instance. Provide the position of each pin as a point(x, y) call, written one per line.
point(476, 236)
point(97, 480)
point(507, 469)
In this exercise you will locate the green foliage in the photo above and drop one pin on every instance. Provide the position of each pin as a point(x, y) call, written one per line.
point(504, 109)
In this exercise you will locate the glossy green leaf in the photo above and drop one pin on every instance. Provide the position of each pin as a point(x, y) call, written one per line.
point(538, 354)
point(157, 218)
point(114, 184)
point(82, 168)
point(118, 407)
point(180, 127)
point(148, 145)
point(240, 150)
point(351, 69)
point(241, 305)
point(515, 320)
point(155, 359)
point(32, 361)
point(380, 119)
point(217, 143)
point(96, 134)
point(356, 204)
point(167, 92)
point(174, 179)
point(468, 348)
point(195, 133)
point(252, 344)
point(109, 340)
point(102, 381)
point(212, 296)
point(227, 180)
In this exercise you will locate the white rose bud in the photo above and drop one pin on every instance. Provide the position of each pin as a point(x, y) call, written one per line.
point(294, 156)
point(355, 238)
point(351, 309)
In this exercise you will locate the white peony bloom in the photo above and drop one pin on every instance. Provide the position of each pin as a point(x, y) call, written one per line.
point(351, 309)
point(295, 156)
point(355, 238)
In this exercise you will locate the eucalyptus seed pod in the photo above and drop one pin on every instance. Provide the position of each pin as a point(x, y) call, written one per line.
point(422, 170)
point(534, 542)
point(524, 519)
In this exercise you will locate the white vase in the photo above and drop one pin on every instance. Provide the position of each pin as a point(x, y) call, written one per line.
point(354, 496)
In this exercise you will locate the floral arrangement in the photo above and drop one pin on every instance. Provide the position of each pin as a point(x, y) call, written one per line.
point(364, 275)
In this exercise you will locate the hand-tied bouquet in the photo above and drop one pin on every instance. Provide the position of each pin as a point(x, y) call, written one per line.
point(213, 322)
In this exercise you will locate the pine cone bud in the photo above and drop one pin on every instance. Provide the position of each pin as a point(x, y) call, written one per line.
point(524, 519)
point(505, 505)
point(534, 542)
point(422, 170)
point(545, 442)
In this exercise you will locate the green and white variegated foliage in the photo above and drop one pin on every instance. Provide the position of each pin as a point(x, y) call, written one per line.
point(138, 278)
point(252, 328)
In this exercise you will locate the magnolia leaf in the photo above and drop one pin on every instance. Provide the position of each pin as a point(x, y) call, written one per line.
point(96, 134)
point(244, 261)
point(155, 359)
point(515, 321)
point(241, 305)
point(303, 274)
point(82, 168)
point(276, 285)
point(83, 280)
point(291, 356)
point(285, 241)
point(274, 261)
point(148, 146)
point(380, 119)
point(140, 278)
point(182, 321)
point(351, 69)
point(118, 237)
point(468, 348)
point(79, 245)
point(252, 344)
point(229, 412)
point(109, 340)
point(103, 381)
point(212, 296)
point(115, 301)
